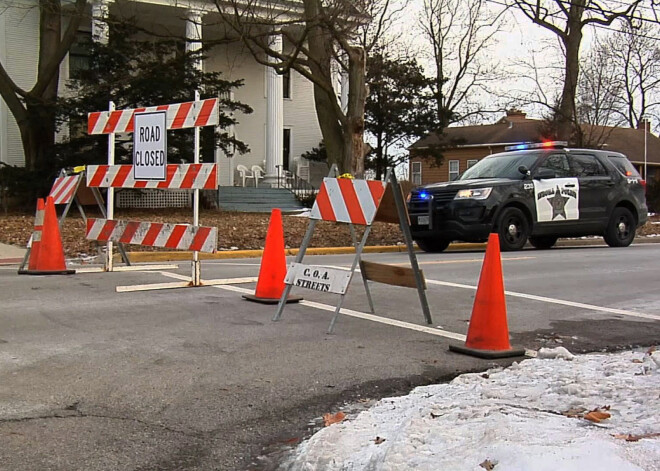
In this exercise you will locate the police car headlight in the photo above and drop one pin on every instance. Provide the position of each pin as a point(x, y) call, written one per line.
point(475, 194)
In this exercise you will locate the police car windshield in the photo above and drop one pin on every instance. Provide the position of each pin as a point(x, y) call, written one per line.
point(503, 165)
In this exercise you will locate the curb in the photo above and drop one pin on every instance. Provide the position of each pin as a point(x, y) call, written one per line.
point(166, 256)
point(185, 256)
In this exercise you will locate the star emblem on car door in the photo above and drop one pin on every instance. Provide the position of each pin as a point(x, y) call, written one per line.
point(558, 203)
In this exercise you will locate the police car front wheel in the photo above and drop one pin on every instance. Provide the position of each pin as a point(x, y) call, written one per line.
point(432, 245)
point(513, 229)
point(620, 230)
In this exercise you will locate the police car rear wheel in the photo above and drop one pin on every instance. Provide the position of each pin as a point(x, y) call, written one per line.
point(432, 245)
point(620, 230)
point(513, 229)
point(543, 243)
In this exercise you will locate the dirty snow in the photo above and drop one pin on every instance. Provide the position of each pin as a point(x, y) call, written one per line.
point(507, 420)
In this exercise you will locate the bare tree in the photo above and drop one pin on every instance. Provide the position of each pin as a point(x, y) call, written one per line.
point(460, 33)
point(34, 109)
point(318, 34)
point(600, 87)
point(635, 53)
point(567, 19)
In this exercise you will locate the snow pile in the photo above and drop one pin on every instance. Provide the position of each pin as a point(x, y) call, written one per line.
point(528, 417)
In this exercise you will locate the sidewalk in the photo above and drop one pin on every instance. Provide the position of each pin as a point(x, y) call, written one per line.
point(11, 255)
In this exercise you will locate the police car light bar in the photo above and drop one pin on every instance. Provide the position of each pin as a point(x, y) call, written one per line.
point(540, 145)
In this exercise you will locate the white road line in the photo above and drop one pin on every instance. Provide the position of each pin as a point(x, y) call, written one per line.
point(349, 312)
point(471, 260)
point(544, 299)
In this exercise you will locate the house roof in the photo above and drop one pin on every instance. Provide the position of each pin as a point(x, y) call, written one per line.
point(515, 128)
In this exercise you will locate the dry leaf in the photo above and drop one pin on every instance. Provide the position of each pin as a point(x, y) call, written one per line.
point(488, 465)
point(329, 419)
point(596, 416)
point(637, 361)
point(651, 350)
point(379, 440)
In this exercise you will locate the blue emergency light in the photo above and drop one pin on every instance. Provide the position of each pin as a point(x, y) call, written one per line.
point(538, 145)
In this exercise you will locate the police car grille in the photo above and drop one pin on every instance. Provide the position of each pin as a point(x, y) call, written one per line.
point(443, 197)
point(440, 198)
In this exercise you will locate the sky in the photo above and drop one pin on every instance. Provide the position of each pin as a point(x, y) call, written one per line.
point(531, 416)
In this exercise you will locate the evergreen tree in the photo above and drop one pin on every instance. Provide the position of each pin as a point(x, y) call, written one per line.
point(137, 73)
point(400, 107)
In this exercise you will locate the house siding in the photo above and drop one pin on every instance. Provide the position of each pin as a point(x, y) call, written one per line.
point(19, 35)
point(440, 173)
point(300, 117)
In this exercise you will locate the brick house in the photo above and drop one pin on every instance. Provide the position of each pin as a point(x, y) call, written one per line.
point(472, 143)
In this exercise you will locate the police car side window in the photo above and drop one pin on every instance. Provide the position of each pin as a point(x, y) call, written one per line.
point(587, 165)
point(558, 163)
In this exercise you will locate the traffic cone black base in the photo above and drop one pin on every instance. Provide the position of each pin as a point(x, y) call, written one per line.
point(487, 354)
point(47, 272)
point(289, 299)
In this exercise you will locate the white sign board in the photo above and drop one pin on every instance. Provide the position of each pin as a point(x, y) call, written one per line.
point(150, 145)
point(328, 280)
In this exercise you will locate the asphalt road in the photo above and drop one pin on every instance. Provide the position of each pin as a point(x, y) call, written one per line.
point(199, 379)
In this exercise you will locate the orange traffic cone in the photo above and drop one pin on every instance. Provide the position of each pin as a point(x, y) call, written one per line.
point(488, 334)
point(270, 284)
point(49, 257)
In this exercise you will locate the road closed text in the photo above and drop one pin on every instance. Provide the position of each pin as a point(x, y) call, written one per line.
point(150, 145)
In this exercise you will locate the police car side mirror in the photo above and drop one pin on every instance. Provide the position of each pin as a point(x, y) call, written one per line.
point(544, 173)
point(525, 171)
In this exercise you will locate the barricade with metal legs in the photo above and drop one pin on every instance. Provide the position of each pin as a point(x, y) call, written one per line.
point(352, 202)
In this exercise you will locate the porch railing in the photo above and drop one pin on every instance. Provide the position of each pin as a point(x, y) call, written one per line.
point(302, 189)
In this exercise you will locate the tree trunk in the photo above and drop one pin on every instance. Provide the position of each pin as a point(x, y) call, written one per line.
point(38, 127)
point(38, 137)
point(357, 102)
point(566, 119)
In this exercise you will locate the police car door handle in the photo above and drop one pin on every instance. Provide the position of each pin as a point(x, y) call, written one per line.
point(570, 185)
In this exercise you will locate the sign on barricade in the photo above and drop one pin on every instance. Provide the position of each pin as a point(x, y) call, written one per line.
point(351, 201)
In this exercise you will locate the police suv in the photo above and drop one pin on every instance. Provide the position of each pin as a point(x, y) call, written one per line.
point(541, 193)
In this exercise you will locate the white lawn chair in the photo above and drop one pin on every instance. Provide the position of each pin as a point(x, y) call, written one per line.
point(244, 173)
point(257, 173)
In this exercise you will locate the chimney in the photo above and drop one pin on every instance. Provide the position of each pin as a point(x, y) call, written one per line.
point(644, 123)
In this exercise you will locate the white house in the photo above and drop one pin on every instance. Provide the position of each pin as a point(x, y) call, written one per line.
point(281, 128)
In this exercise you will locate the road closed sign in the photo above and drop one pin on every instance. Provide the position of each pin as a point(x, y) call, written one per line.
point(150, 145)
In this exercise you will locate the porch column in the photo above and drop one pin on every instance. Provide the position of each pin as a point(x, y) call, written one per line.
point(100, 12)
point(194, 34)
point(274, 118)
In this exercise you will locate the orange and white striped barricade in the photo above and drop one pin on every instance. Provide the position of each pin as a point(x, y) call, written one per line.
point(154, 234)
point(351, 201)
point(196, 176)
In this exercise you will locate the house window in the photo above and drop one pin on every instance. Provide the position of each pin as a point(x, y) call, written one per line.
point(416, 173)
point(453, 169)
point(471, 162)
point(286, 84)
point(80, 53)
point(286, 149)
